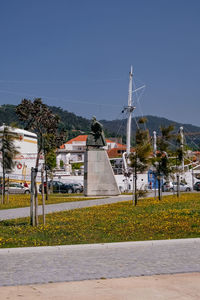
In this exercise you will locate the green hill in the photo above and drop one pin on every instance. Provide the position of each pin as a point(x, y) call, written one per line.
point(153, 124)
point(76, 125)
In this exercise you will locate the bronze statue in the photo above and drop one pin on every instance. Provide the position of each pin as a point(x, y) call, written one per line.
point(96, 137)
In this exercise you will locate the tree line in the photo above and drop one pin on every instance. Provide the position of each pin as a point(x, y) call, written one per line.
point(165, 160)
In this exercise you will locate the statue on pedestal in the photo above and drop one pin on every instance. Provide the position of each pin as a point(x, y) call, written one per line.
point(96, 137)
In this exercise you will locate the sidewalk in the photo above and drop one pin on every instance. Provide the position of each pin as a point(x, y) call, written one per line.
point(41, 265)
point(157, 287)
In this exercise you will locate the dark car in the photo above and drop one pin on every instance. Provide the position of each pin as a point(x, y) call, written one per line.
point(68, 188)
point(57, 186)
point(77, 187)
point(197, 186)
point(60, 187)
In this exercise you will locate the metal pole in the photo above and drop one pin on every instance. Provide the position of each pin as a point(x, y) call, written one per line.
point(136, 195)
point(43, 200)
point(178, 180)
point(32, 210)
point(182, 143)
point(154, 143)
point(133, 188)
point(192, 178)
point(178, 185)
point(8, 190)
point(3, 178)
point(155, 176)
point(2, 191)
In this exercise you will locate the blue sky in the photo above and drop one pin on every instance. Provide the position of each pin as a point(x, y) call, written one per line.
point(77, 55)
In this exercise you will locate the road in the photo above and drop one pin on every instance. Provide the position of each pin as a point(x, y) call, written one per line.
point(81, 262)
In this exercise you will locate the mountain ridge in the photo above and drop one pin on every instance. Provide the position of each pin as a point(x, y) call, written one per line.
point(76, 125)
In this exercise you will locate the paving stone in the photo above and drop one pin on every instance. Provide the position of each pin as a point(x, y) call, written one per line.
point(80, 262)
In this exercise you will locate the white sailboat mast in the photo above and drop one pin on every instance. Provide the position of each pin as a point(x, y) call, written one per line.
point(129, 111)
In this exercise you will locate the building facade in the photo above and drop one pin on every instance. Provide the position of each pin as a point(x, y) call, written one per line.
point(26, 144)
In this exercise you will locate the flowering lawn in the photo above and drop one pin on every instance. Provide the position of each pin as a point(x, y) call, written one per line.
point(167, 219)
point(22, 200)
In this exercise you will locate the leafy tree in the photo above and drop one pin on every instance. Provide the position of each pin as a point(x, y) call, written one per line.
point(37, 117)
point(9, 151)
point(140, 158)
point(76, 166)
point(61, 163)
point(179, 154)
point(51, 160)
point(161, 162)
point(50, 143)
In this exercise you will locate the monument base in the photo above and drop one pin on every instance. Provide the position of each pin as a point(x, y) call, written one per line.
point(99, 179)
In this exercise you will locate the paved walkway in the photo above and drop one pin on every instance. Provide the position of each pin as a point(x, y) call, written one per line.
point(158, 287)
point(21, 266)
point(6, 214)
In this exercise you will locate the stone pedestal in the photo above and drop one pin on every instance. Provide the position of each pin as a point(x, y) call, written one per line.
point(99, 179)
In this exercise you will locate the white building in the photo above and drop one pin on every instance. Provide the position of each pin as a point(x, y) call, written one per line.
point(26, 143)
point(73, 151)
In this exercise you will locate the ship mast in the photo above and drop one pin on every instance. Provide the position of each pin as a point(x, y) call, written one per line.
point(129, 109)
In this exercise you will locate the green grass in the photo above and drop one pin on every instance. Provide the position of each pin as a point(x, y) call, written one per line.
point(167, 219)
point(16, 201)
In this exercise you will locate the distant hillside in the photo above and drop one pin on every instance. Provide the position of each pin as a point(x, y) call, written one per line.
point(153, 124)
point(76, 125)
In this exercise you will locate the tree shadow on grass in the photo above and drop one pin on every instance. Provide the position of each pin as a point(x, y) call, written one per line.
point(13, 223)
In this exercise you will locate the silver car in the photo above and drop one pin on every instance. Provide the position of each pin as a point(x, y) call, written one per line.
point(16, 188)
point(172, 186)
point(183, 187)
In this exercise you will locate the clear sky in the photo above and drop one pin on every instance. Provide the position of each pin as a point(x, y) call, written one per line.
point(77, 55)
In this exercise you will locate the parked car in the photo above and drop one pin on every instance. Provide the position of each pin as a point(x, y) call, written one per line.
point(68, 188)
point(183, 187)
point(167, 186)
point(77, 187)
point(58, 187)
point(16, 188)
point(172, 186)
point(196, 186)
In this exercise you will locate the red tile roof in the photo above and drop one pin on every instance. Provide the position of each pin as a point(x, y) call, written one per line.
point(83, 138)
point(117, 152)
point(114, 152)
point(79, 138)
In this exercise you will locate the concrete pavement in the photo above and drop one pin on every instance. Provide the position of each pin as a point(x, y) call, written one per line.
point(21, 266)
point(158, 287)
point(111, 265)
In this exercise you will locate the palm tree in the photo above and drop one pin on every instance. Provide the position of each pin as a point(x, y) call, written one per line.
point(140, 158)
point(9, 151)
